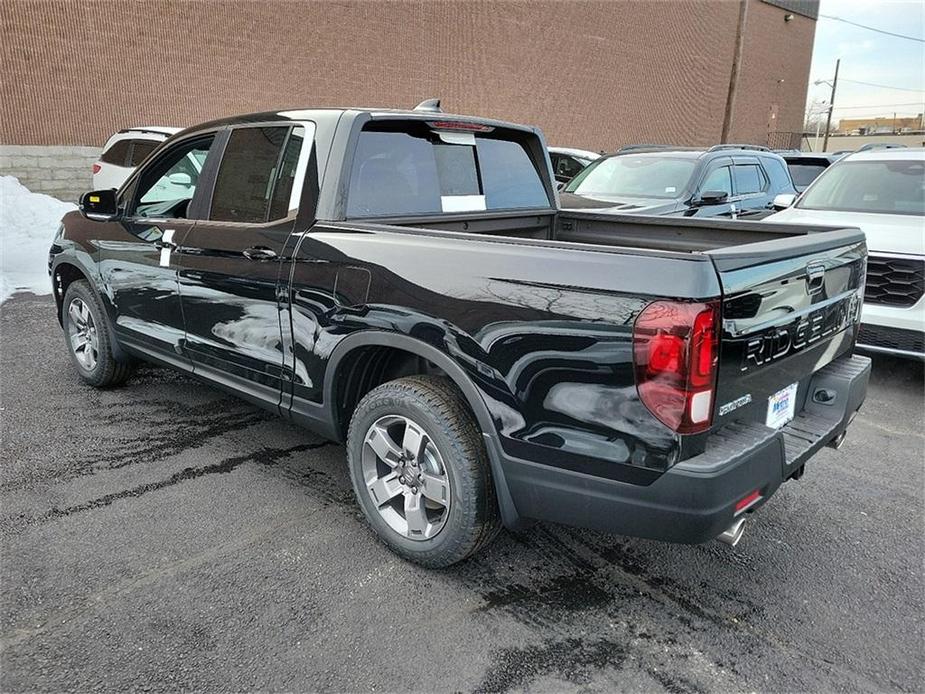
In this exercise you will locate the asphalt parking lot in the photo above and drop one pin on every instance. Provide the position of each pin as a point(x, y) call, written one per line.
point(167, 536)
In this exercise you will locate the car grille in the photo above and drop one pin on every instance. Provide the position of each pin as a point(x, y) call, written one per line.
point(891, 338)
point(894, 281)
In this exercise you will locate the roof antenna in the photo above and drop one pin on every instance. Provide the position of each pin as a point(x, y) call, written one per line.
point(429, 105)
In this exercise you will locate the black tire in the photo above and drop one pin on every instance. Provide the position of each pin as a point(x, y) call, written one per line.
point(104, 371)
point(472, 518)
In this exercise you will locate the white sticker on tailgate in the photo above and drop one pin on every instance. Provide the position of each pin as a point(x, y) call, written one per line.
point(782, 407)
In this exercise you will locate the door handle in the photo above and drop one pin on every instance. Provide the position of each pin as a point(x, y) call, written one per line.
point(259, 253)
point(166, 240)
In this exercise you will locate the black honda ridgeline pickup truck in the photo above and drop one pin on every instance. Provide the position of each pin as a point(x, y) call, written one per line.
point(404, 282)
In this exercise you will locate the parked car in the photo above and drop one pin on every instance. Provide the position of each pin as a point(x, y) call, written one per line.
point(124, 151)
point(882, 191)
point(804, 167)
point(403, 281)
point(723, 181)
point(567, 162)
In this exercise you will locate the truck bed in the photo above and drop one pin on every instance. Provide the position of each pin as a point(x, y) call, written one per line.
point(730, 244)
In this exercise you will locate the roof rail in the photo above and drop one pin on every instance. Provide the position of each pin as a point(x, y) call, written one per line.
point(640, 146)
point(881, 145)
point(719, 148)
point(632, 149)
point(432, 105)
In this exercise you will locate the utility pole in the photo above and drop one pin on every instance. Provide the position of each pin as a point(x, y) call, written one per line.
point(828, 121)
point(734, 74)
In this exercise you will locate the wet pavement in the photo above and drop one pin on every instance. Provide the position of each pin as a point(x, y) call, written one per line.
point(167, 536)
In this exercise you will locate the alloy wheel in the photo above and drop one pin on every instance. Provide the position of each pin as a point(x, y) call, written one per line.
point(81, 331)
point(405, 477)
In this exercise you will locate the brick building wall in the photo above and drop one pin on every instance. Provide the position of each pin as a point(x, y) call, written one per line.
point(591, 74)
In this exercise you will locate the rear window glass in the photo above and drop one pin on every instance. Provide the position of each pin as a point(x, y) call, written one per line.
point(140, 151)
point(117, 154)
point(414, 170)
point(804, 174)
point(889, 187)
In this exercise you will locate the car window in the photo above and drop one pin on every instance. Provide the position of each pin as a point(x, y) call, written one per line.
point(569, 167)
point(718, 179)
point(248, 175)
point(776, 170)
point(640, 176)
point(804, 174)
point(168, 184)
point(411, 169)
point(748, 179)
point(282, 192)
point(140, 151)
point(117, 154)
point(890, 187)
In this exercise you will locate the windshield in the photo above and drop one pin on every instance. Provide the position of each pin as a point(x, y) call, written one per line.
point(634, 176)
point(887, 187)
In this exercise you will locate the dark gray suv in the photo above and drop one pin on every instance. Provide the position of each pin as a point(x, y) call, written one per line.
point(723, 181)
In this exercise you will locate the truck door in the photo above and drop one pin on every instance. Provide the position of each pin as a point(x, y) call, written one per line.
point(229, 264)
point(136, 258)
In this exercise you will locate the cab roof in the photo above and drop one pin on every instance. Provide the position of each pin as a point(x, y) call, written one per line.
point(315, 114)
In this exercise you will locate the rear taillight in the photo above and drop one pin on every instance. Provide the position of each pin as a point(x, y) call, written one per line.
point(96, 168)
point(675, 351)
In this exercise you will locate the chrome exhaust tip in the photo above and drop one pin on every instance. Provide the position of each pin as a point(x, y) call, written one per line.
point(837, 442)
point(733, 533)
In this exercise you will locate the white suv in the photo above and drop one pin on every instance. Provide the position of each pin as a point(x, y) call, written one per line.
point(883, 193)
point(124, 151)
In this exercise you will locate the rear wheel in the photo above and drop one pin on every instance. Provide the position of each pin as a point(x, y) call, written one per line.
point(420, 471)
point(88, 341)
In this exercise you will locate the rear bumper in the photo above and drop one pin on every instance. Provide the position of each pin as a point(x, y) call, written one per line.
point(694, 501)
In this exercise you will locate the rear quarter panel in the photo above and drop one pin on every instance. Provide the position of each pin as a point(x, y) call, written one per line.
point(543, 330)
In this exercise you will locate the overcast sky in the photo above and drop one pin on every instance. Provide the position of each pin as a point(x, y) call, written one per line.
point(868, 56)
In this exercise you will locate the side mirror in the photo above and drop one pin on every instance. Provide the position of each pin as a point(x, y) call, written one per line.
point(713, 197)
point(180, 179)
point(100, 205)
point(783, 201)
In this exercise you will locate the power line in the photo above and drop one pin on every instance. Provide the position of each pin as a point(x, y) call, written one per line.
point(869, 28)
point(911, 103)
point(882, 86)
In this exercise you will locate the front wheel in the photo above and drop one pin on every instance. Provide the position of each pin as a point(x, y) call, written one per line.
point(88, 341)
point(420, 471)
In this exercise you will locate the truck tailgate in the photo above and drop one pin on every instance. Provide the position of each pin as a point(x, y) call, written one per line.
point(789, 308)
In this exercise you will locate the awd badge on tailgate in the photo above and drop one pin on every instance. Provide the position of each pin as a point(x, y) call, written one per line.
point(735, 404)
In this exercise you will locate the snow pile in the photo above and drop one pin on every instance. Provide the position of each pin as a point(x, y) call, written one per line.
point(28, 222)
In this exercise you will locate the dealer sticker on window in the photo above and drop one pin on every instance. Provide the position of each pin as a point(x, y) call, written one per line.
point(782, 406)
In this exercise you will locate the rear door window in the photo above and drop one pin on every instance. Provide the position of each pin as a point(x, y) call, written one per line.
point(748, 179)
point(256, 175)
point(412, 169)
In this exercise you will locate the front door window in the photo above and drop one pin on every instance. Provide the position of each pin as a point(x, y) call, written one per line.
point(168, 185)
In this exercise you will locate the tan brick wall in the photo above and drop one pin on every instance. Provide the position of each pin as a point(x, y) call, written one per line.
point(591, 74)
